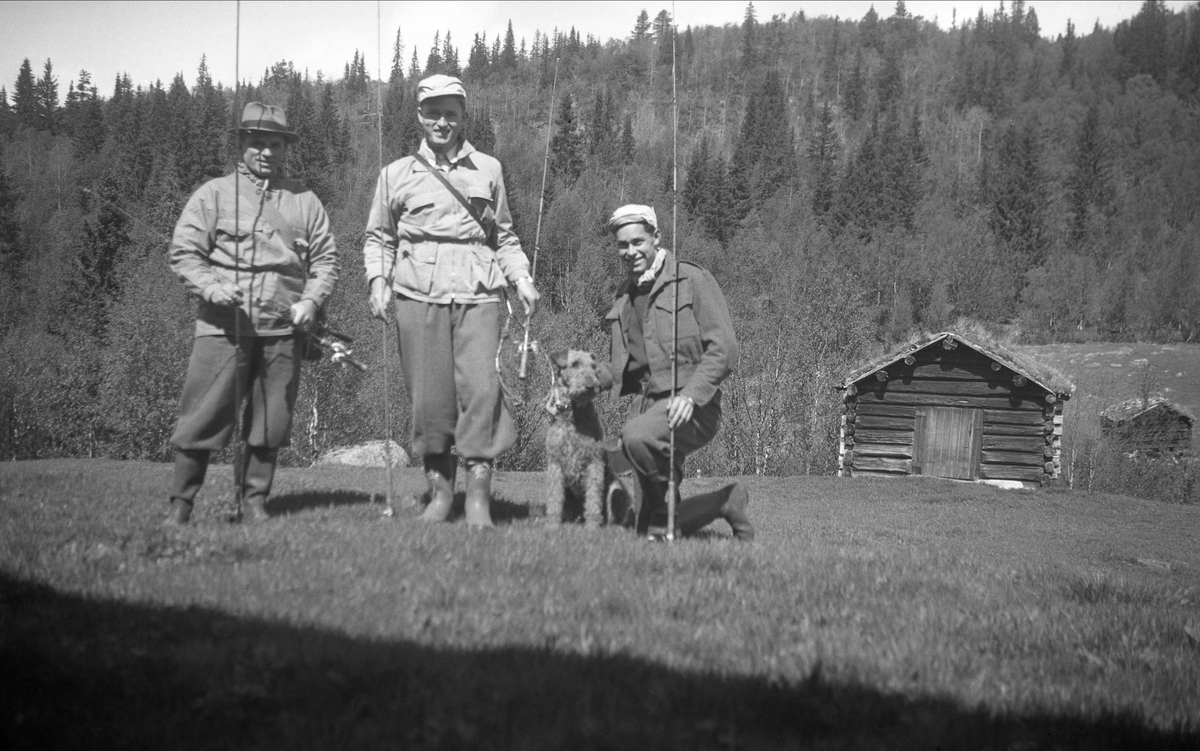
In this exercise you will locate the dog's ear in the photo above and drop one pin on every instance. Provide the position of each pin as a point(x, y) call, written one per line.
point(560, 358)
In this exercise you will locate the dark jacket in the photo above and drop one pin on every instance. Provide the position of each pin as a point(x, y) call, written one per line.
point(707, 345)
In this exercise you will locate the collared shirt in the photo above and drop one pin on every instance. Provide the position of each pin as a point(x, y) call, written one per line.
point(223, 236)
point(432, 249)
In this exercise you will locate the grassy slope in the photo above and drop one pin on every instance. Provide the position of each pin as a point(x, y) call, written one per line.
point(870, 614)
point(1174, 369)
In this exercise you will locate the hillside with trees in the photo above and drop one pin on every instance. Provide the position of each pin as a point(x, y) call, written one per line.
point(848, 182)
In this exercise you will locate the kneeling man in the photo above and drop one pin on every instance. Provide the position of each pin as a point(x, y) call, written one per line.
point(640, 363)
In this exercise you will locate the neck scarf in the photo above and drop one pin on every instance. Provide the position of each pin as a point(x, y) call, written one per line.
point(647, 278)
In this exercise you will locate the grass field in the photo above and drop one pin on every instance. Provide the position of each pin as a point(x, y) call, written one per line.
point(911, 614)
point(1114, 370)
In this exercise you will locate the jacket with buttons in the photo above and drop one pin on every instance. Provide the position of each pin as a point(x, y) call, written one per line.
point(708, 349)
point(423, 239)
point(223, 236)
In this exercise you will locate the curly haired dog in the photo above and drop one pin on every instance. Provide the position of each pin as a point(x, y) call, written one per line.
point(576, 460)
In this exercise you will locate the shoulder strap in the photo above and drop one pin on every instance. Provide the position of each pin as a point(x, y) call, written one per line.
point(268, 212)
point(489, 232)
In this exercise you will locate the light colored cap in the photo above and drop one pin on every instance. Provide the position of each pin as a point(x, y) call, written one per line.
point(632, 213)
point(440, 85)
point(265, 118)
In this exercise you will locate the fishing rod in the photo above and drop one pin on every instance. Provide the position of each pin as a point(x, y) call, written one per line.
point(389, 508)
point(537, 235)
point(672, 483)
point(239, 439)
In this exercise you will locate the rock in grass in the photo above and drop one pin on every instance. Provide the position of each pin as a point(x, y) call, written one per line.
point(370, 454)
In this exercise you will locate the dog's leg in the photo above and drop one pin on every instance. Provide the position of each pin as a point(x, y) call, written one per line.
point(555, 491)
point(593, 493)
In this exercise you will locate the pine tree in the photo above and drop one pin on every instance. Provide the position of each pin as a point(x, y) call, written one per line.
point(750, 52)
point(695, 185)
point(508, 54)
point(450, 58)
point(764, 156)
point(414, 67)
point(628, 147)
point(47, 99)
point(477, 61)
point(433, 64)
point(181, 133)
point(210, 117)
point(566, 148)
point(25, 97)
point(871, 32)
point(397, 71)
point(7, 118)
point(1067, 66)
point(601, 128)
point(95, 285)
point(641, 27)
point(1089, 186)
point(856, 88)
point(1018, 196)
point(83, 116)
point(306, 159)
point(822, 154)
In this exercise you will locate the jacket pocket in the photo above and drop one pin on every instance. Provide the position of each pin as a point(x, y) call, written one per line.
point(691, 346)
point(420, 209)
point(415, 270)
point(485, 274)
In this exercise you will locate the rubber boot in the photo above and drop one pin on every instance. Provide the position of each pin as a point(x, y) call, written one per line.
point(257, 478)
point(190, 468)
point(479, 495)
point(439, 473)
point(728, 503)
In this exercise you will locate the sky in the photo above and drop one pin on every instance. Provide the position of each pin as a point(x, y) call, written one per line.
point(155, 40)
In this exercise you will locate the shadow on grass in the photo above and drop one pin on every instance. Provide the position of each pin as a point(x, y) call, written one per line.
point(294, 503)
point(87, 673)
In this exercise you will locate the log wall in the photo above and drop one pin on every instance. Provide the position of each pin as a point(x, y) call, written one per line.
point(1020, 425)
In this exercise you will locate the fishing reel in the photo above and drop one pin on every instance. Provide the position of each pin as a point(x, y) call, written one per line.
point(318, 338)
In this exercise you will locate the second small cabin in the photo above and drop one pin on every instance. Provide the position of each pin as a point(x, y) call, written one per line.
point(946, 406)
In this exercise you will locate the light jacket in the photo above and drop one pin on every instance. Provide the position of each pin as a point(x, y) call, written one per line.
point(222, 237)
point(708, 349)
point(423, 239)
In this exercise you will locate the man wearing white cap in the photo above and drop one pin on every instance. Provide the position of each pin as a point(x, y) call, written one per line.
point(247, 246)
point(440, 249)
point(640, 363)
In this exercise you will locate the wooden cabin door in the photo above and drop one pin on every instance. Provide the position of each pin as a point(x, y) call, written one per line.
point(947, 442)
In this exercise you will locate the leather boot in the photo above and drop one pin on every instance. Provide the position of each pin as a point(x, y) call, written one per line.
point(439, 473)
point(257, 478)
point(624, 502)
point(728, 503)
point(180, 513)
point(190, 467)
point(479, 495)
point(652, 521)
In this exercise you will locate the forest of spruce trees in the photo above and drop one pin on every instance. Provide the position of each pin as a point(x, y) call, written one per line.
point(848, 181)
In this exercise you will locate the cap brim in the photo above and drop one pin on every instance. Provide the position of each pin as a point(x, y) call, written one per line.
point(288, 136)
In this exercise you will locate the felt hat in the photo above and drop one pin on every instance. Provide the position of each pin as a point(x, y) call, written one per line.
point(441, 85)
point(265, 118)
point(633, 213)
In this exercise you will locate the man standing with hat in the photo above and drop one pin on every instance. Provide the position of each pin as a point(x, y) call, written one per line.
point(640, 354)
point(248, 245)
point(440, 250)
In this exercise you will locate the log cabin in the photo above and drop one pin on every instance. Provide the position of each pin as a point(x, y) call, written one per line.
point(1151, 426)
point(956, 407)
